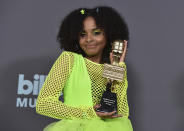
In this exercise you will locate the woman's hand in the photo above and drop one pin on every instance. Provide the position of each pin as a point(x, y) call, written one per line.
point(109, 115)
point(122, 58)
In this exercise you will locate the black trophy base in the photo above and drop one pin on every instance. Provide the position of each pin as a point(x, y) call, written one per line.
point(108, 102)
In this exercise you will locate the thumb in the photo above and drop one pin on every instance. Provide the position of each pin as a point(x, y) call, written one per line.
point(111, 57)
point(96, 106)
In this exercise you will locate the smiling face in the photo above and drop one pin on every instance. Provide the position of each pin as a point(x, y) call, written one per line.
point(92, 39)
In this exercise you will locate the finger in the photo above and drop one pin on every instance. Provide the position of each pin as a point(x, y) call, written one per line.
point(96, 106)
point(99, 114)
point(125, 47)
point(126, 44)
point(122, 59)
point(111, 57)
point(102, 114)
point(110, 113)
point(114, 116)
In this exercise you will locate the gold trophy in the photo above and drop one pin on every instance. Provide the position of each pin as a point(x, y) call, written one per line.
point(113, 73)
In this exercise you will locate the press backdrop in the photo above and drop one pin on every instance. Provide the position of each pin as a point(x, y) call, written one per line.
point(28, 48)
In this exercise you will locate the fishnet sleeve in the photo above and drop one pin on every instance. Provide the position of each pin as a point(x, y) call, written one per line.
point(48, 103)
point(121, 90)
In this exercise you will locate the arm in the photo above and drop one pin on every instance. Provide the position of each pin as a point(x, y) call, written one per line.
point(48, 103)
point(121, 87)
point(121, 91)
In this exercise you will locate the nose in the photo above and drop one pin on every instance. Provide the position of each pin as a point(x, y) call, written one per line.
point(89, 37)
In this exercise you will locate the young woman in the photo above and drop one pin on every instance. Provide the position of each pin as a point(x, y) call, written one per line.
point(86, 36)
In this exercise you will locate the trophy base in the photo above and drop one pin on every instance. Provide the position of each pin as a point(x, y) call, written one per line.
point(108, 102)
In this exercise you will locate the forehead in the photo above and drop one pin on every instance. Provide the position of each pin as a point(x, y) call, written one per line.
point(89, 23)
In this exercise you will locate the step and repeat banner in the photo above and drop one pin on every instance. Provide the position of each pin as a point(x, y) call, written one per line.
point(28, 49)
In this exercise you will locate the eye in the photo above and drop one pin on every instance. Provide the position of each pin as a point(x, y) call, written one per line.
point(82, 34)
point(97, 32)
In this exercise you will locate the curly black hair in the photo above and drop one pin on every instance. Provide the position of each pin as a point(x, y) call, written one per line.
point(105, 17)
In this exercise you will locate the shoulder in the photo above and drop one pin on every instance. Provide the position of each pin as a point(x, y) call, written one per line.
point(69, 55)
point(65, 55)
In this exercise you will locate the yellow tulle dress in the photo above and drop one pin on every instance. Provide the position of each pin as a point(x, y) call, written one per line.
point(81, 82)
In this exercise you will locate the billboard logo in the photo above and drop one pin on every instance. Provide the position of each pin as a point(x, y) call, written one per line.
point(27, 87)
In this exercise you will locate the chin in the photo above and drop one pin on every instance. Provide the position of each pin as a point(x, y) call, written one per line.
point(91, 53)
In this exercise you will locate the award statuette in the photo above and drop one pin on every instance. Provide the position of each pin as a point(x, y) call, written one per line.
point(113, 73)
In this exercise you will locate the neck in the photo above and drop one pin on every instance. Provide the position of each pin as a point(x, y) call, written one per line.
point(96, 59)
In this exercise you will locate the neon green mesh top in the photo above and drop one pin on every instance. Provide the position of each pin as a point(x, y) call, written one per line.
point(48, 102)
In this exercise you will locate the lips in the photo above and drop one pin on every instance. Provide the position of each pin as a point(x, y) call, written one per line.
point(91, 45)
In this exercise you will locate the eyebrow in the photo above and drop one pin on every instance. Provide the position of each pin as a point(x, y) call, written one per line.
point(97, 28)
